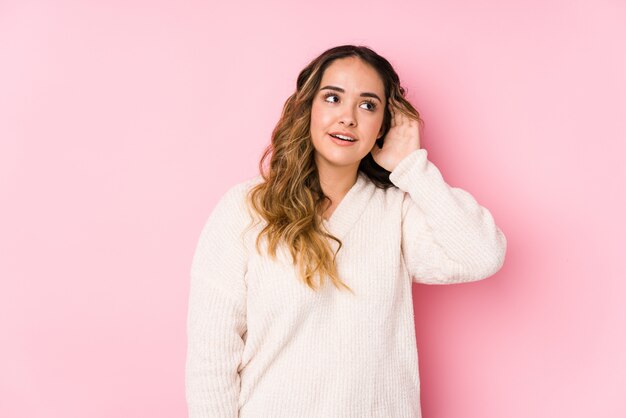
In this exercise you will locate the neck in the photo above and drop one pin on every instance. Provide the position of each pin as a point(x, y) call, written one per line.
point(337, 181)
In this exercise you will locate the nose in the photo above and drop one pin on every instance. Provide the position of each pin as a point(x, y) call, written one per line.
point(347, 117)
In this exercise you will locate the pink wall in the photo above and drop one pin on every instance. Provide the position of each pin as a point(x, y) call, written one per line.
point(122, 122)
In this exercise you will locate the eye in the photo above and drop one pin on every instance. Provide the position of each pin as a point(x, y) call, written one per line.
point(372, 104)
point(327, 95)
point(367, 102)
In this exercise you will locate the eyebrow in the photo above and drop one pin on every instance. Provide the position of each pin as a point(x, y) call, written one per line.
point(364, 94)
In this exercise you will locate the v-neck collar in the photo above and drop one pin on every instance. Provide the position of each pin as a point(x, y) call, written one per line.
point(350, 207)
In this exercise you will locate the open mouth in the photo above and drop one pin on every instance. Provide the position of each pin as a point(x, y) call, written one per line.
point(343, 138)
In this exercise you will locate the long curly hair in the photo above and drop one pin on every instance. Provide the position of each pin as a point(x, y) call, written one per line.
point(290, 198)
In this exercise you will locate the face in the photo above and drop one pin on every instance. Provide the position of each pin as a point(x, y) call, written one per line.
point(350, 100)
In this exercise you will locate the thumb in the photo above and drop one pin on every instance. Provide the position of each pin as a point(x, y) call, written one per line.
point(376, 150)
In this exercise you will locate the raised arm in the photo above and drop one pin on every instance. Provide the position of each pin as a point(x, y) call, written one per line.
point(447, 237)
point(216, 322)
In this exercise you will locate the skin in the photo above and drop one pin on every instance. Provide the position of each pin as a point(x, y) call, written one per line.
point(349, 112)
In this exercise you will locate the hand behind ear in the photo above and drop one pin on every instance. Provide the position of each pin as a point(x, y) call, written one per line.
point(402, 138)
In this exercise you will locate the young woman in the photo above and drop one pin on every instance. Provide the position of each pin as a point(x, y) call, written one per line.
point(300, 299)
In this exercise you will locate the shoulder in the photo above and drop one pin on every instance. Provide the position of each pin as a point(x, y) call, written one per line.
point(390, 195)
point(381, 201)
point(235, 195)
point(229, 217)
point(231, 209)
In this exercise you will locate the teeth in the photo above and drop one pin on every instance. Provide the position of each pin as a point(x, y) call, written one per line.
point(345, 138)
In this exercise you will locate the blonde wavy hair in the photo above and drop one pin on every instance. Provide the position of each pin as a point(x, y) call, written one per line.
point(290, 198)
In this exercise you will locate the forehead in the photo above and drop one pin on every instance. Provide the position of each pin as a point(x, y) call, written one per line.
point(353, 74)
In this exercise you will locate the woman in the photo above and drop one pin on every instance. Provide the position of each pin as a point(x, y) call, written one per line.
point(300, 302)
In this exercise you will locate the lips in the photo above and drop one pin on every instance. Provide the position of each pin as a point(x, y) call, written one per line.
point(348, 134)
point(341, 142)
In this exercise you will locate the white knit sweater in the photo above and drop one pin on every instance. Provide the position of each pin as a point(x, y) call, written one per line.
point(261, 344)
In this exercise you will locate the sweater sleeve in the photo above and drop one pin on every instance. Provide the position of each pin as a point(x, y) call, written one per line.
point(216, 320)
point(447, 237)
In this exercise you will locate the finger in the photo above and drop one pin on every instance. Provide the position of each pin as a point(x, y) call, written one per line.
point(375, 150)
point(394, 114)
point(401, 118)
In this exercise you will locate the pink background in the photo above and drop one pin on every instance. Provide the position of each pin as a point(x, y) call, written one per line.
point(122, 122)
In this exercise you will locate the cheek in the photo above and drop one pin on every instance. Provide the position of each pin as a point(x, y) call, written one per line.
point(374, 126)
point(314, 117)
point(317, 124)
point(319, 117)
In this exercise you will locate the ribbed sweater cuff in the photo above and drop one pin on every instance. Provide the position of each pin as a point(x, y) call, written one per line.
point(464, 228)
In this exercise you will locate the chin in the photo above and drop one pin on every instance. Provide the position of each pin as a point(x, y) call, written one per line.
point(339, 158)
point(337, 154)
